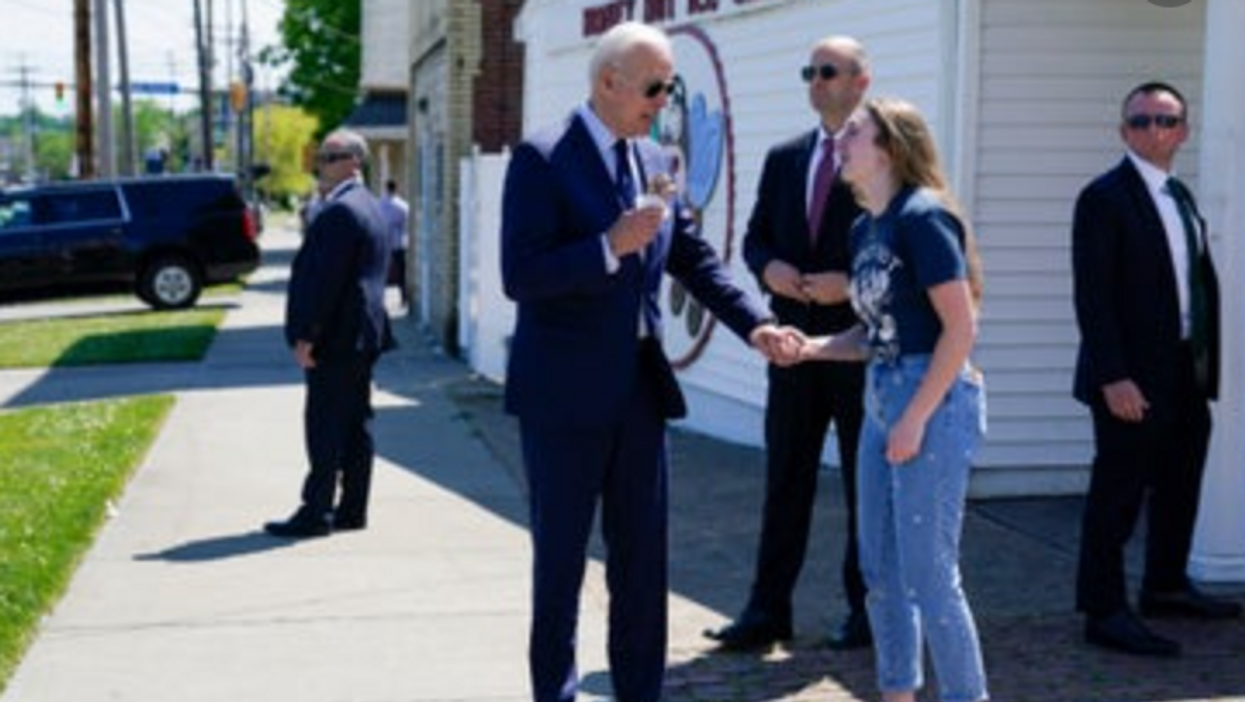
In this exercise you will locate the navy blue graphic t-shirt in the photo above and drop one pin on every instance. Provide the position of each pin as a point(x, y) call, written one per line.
point(914, 245)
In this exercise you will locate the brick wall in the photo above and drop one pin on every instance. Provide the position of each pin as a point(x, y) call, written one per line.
point(499, 81)
point(479, 105)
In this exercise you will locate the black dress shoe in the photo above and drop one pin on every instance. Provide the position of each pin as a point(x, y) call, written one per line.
point(1189, 602)
point(1124, 632)
point(349, 523)
point(853, 633)
point(750, 633)
point(300, 526)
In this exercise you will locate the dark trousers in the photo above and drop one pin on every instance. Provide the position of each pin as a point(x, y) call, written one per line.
point(802, 402)
point(397, 271)
point(569, 470)
point(1159, 462)
point(338, 441)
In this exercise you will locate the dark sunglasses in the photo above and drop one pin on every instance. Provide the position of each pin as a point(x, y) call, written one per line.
point(333, 156)
point(825, 71)
point(658, 87)
point(1143, 121)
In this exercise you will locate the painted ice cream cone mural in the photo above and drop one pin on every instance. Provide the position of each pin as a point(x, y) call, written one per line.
point(694, 128)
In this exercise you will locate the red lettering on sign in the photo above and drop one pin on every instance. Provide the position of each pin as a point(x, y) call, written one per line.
point(599, 19)
point(658, 10)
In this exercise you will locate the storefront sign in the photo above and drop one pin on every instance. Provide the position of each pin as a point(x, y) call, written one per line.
point(597, 19)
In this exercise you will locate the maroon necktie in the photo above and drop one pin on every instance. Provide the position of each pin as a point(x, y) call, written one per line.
point(822, 182)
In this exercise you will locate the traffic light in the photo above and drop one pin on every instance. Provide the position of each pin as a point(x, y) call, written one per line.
point(60, 91)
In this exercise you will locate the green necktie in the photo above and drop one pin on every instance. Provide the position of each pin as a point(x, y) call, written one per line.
point(1197, 285)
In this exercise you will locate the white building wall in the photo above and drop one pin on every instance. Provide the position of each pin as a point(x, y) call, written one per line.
point(386, 35)
point(487, 317)
point(1046, 111)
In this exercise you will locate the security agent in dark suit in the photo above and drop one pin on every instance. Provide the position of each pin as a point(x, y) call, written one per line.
point(587, 375)
point(1147, 305)
point(804, 265)
point(336, 323)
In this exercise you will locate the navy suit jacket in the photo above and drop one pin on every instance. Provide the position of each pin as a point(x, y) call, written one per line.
point(337, 283)
point(778, 229)
point(574, 354)
point(1125, 292)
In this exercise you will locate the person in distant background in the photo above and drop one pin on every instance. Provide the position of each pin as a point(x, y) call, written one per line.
point(335, 321)
point(396, 212)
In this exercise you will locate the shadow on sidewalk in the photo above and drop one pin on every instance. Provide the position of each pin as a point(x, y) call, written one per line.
point(215, 548)
point(254, 367)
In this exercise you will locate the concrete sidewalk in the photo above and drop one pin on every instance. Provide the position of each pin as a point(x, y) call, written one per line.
point(183, 598)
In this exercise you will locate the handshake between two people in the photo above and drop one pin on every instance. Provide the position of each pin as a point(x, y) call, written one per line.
point(787, 346)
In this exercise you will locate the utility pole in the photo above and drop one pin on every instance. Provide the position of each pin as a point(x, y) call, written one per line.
point(172, 100)
point(228, 112)
point(84, 145)
point(103, 91)
point(205, 88)
point(27, 107)
point(127, 107)
point(209, 28)
point(246, 111)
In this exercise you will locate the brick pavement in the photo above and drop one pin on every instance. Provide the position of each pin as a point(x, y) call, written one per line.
point(1019, 558)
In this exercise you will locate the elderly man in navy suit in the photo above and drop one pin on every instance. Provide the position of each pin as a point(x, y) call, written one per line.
point(1147, 304)
point(588, 378)
point(337, 326)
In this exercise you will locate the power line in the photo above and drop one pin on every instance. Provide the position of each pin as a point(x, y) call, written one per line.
point(310, 17)
point(41, 7)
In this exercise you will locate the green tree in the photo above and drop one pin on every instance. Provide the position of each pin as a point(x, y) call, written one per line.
point(284, 136)
point(52, 138)
point(53, 153)
point(320, 42)
point(153, 125)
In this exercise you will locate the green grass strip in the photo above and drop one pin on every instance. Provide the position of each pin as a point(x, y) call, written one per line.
point(60, 465)
point(129, 337)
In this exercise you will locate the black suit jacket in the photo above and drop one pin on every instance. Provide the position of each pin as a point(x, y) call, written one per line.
point(778, 229)
point(337, 284)
point(1125, 292)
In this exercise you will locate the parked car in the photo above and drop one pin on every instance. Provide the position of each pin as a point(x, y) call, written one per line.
point(167, 236)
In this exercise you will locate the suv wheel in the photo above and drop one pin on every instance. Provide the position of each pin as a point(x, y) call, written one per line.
point(170, 282)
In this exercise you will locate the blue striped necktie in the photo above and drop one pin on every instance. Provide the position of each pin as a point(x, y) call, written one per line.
point(624, 183)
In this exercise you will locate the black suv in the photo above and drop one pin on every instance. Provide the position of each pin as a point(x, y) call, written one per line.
point(168, 236)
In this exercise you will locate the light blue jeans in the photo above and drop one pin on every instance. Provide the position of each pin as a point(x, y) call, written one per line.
point(910, 518)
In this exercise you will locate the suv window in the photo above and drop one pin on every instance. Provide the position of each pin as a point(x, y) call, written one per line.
point(14, 213)
point(77, 207)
